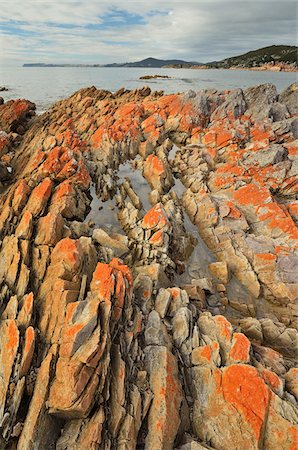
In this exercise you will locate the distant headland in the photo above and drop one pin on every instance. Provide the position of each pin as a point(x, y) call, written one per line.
point(275, 58)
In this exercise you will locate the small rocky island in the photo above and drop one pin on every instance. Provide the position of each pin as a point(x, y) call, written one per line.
point(148, 271)
point(150, 77)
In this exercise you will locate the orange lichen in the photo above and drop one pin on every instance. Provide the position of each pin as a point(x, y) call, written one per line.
point(13, 337)
point(224, 326)
point(28, 302)
point(252, 194)
point(29, 339)
point(223, 138)
point(240, 348)
point(205, 352)
point(266, 256)
point(271, 378)
point(157, 238)
point(234, 212)
point(67, 250)
point(156, 216)
point(103, 281)
point(156, 164)
point(247, 392)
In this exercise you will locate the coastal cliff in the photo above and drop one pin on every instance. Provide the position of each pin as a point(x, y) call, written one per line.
point(148, 271)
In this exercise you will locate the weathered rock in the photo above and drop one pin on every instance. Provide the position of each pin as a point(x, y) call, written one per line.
point(100, 353)
point(164, 417)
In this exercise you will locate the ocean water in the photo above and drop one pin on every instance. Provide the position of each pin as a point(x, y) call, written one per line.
point(45, 85)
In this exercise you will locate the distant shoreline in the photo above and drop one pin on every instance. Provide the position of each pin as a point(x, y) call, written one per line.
point(96, 66)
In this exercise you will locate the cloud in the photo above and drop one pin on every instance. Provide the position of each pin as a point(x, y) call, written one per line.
point(102, 32)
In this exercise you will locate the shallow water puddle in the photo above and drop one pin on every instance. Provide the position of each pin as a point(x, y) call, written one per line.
point(103, 214)
point(138, 182)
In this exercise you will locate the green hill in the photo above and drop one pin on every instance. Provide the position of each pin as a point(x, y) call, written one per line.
point(278, 53)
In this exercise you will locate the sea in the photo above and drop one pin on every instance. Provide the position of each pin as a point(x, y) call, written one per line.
point(46, 85)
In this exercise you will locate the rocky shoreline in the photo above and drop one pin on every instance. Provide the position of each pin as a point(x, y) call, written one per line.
point(278, 67)
point(148, 271)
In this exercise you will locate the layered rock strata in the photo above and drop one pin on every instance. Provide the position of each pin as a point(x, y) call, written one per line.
point(148, 271)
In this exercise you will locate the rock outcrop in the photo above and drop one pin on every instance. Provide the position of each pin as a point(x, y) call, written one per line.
point(148, 271)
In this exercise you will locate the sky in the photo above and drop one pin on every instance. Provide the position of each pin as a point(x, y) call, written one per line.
point(100, 31)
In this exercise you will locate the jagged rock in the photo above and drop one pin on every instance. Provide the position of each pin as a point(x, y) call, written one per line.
point(289, 97)
point(100, 353)
point(164, 417)
point(116, 242)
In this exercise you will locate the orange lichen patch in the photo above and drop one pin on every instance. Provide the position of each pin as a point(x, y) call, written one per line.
point(223, 138)
point(151, 123)
point(35, 161)
point(68, 170)
point(240, 348)
point(29, 338)
point(234, 153)
point(97, 136)
point(40, 196)
point(28, 303)
point(28, 351)
point(267, 176)
point(117, 264)
point(21, 195)
point(226, 174)
point(276, 217)
point(211, 151)
point(224, 326)
point(53, 163)
point(209, 138)
point(19, 106)
point(25, 226)
point(129, 109)
point(175, 292)
point(259, 133)
point(103, 281)
point(63, 190)
point(292, 148)
point(293, 433)
point(157, 238)
point(252, 194)
point(156, 164)
point(71, 307)
point(205, 352)
point(13, 337)
point(271, 379)
point(234, 212)
point(123, 128)
point(282, 250)
point(189, 118)
point(266, 256)
point(231, 169)
point(155, 217)
point(71, 331)
point(67, 252)
point(264, 262)
point(247, 392)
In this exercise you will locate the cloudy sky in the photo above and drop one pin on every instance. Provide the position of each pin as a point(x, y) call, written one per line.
point(100, 31)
